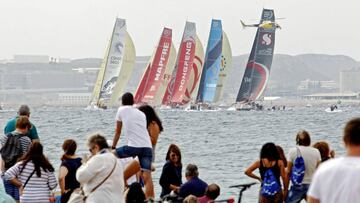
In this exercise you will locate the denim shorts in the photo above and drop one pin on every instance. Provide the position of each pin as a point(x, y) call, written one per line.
point(297, 193)
point(143, 153)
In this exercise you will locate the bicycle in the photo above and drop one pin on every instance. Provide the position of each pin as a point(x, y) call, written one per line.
point(242, 188)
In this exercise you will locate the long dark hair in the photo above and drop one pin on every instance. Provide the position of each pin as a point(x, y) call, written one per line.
point(135, 193)
point(69, 146)
point(270, 152)
point(35, 154)
point(151, 116)
point(175, 149)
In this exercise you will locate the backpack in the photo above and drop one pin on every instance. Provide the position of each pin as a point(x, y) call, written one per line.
point(270, 185)
point(11, 150)
point(298, 169)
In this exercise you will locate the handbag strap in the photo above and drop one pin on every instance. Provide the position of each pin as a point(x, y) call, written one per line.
point(32, 173)
point(105, 178)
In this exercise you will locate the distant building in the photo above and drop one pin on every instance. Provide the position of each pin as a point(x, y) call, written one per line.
point(312, 86)
point(74, 98)
point(350, 80)
point(332, 96)
point(31, 59)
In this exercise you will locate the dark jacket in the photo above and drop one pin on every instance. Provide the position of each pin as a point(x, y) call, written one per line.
point(171, 174)
point(194, 186)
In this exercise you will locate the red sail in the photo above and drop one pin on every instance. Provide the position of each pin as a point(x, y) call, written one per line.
point(177, 87)
point(185, 64)
point(151, 81)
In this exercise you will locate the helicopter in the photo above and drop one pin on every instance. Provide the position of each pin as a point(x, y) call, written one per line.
point(266, 24)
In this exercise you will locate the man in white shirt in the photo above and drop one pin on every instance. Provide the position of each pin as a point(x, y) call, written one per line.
point(311, 158)
point(139, 143)
point(337, 180)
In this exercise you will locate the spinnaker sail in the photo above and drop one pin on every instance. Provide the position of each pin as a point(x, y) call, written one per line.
point(153, 78)
point(258, 67)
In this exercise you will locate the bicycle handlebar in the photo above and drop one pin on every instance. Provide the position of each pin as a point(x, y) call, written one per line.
point(246, 185)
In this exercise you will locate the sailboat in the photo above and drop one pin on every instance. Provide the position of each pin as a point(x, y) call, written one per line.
point(186, 72)
point(257, 70)
point(218, 52)
point(158, 72)
point(116, 68)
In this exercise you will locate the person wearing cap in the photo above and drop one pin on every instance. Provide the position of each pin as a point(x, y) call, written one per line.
point(194, 185)
point(24, 110)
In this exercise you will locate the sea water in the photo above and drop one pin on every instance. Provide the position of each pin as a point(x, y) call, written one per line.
point(221, 143)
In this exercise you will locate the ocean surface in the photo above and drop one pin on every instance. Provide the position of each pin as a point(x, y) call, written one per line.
point(221, 143)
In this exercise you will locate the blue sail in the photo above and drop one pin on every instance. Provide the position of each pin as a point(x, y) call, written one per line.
point(210, 74)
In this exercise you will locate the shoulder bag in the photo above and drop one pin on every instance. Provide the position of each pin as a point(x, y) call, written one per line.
point(78, 195)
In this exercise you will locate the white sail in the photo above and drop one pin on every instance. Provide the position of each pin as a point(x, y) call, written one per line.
point(113, 62)
point(167, 76)
point(96, 92)
point(196, 72)
point(125, 71)
point(226, 65)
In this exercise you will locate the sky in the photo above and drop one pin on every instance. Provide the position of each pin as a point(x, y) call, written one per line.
point(82, 28)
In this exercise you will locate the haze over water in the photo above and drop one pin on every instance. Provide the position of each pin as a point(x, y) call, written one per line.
point(221, 143)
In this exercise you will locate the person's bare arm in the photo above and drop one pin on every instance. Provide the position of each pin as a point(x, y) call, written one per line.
point(116, 138)
point(288, 172)
point(62, 173)
point(312, 200)
point(283, 176)
point(249, 171)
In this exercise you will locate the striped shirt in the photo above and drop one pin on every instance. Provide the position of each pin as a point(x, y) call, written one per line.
point(37, 190)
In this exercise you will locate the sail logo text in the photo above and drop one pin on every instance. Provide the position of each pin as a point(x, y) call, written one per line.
point(266, 39)
point(160, 67)
point(186, 65)
point(115, 59)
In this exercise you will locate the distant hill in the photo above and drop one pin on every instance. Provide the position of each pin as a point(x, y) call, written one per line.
point(287, 71)
point(285, 75)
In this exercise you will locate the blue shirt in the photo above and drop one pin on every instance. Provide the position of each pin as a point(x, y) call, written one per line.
point(11, 125)
point(194, 186)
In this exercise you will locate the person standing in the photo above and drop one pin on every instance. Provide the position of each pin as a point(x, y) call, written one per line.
point(33, 175)
point(13, 146)
point(154, 127)
point(70, 162)
point(139, 143)
point(270, 161)
point(24, 110)
point(337, 180)
point(312, 159)
point(101, 176)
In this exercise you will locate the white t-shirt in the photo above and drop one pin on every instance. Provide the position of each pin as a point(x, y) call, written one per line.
point(337, 180)
point(311, 158)
point(134, 126)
